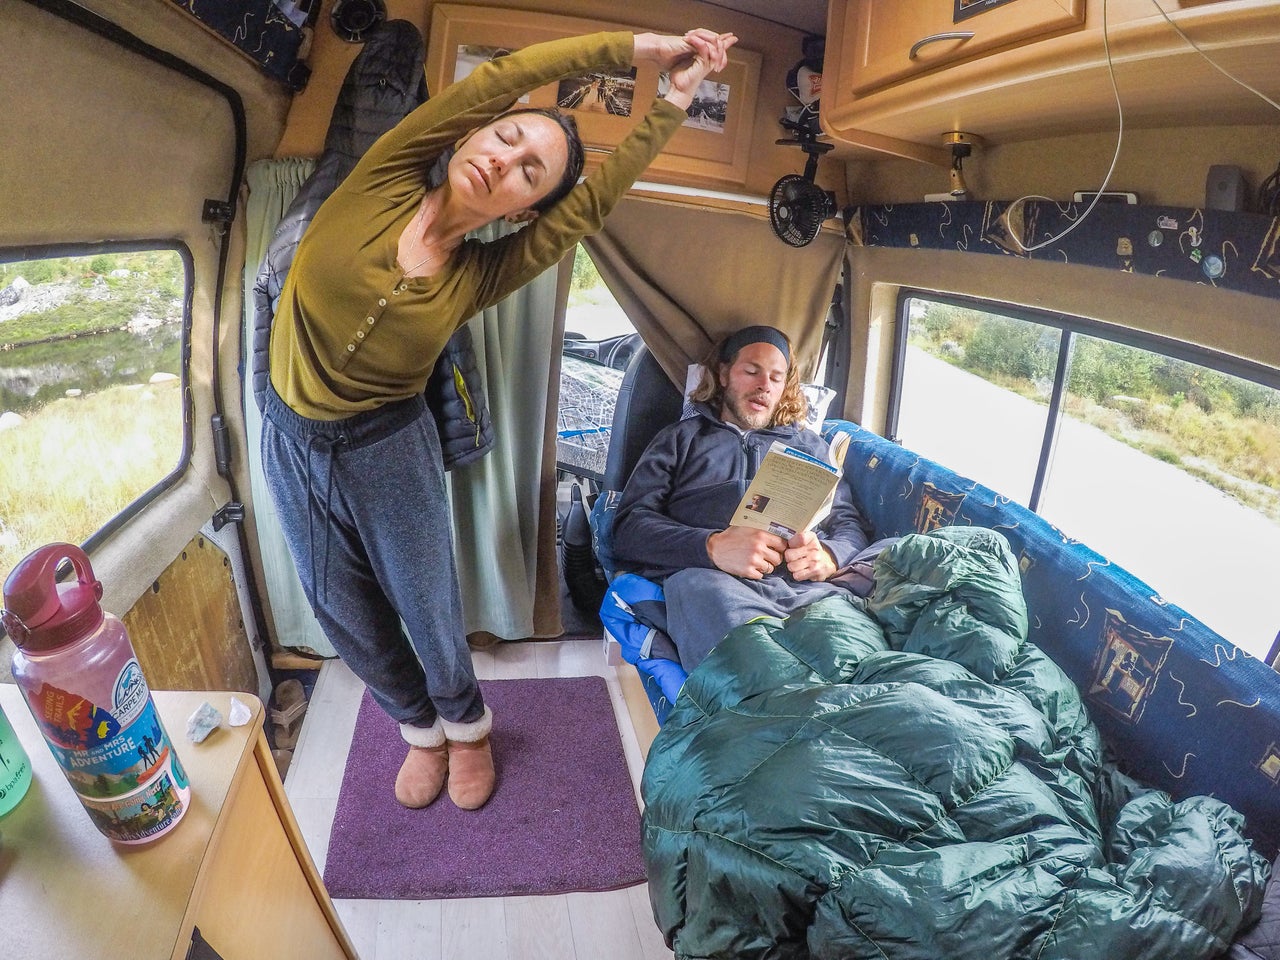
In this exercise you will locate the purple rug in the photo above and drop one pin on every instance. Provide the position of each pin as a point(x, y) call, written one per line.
point(562, 819)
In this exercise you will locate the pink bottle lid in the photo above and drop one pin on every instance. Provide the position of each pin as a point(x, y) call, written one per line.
point(41, 614)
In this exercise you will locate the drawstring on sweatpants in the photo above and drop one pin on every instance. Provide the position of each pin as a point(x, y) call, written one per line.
point(332, 445)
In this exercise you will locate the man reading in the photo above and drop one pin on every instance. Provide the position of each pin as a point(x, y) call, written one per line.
point(673, 521)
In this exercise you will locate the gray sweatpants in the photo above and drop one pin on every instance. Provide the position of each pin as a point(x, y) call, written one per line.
point(363, 509)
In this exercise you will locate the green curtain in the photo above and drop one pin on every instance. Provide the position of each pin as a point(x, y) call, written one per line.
point(495, 501)
point(272, 186)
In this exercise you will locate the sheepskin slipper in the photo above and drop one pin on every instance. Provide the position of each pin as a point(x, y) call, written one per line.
point(471, 773)
point(422, 775)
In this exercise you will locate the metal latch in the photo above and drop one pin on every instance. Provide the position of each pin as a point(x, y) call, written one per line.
point(218, 211)
point(232, 512)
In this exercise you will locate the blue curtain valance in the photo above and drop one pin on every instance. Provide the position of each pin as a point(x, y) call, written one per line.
point(268, 32)
point(1237, 251)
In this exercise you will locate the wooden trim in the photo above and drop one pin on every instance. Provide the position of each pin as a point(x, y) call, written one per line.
point(643, 720)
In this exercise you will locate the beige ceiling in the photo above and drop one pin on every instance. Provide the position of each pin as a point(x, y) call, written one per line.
point(807, 15)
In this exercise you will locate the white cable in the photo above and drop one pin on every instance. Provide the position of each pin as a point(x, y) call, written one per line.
point(1194, 46)
point(1106, 181)
point(1111, 70)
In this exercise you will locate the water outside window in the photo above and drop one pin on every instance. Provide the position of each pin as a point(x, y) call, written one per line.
point(90, 389)
point(1168, 468)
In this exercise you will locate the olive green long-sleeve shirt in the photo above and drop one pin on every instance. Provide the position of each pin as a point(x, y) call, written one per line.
point(351, 332)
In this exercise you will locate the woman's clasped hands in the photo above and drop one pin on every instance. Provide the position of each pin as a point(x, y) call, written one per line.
point(687, 59)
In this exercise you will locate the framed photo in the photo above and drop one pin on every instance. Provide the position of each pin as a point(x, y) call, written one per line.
point(969, 8)
point(714, 143)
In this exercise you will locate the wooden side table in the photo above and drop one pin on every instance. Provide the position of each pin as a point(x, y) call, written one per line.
point(235, 867)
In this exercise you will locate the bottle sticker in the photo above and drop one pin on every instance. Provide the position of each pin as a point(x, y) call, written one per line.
point(141, 815)
point(70, 720)
point(131, 693)
point(123, 763)
point(105, 755)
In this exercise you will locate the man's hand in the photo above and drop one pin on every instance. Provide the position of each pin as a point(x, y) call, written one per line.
point(747, 553)
point(807, 558)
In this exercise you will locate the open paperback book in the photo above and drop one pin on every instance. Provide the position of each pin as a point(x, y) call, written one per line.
point(791, 491)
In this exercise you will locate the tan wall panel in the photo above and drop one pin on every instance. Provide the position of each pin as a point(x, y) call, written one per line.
point(103, 144)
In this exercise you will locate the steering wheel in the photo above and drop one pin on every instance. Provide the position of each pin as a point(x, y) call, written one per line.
point(622, 350)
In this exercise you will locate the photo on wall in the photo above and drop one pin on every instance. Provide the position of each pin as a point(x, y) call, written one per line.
point(710, 107)
point(600, 92)
point(471, 55)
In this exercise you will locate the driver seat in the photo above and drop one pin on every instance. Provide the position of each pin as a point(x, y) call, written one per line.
point(647, 402)
point(633, 610)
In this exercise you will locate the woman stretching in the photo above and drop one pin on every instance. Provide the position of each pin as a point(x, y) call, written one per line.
point(381, 279)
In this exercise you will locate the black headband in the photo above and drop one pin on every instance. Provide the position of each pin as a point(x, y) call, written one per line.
point(749, 335)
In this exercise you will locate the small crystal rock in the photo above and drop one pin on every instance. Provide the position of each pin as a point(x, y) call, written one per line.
point(238, 715)
point(203, 722)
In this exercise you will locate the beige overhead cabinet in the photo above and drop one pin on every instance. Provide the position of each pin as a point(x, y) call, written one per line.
point(897, 40)
point(900, 76)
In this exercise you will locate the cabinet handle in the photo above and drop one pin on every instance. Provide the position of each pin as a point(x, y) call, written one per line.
point(952, 35)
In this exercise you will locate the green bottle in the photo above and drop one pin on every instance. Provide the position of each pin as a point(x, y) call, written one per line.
point(15, 768)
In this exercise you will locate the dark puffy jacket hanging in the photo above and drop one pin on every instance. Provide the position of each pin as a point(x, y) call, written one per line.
point(385, 82)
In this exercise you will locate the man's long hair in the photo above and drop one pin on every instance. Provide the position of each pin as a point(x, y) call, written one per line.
point(791, 408)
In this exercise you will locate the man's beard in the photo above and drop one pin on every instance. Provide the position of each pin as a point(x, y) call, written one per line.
point(755, 420)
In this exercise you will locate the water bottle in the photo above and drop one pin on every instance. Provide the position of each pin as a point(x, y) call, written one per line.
point(81, 679)
point(15, 768)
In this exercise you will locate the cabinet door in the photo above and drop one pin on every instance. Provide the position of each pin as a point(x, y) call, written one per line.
point(893, 39)
point(256, 902)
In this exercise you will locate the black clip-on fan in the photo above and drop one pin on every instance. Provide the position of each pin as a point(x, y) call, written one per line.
point(797, 205)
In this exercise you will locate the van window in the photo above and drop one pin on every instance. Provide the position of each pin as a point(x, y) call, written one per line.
point(91, 391)
point(599, 342)
point(1169, 465)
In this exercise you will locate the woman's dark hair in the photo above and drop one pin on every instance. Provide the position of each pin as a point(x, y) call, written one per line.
point(572, 167)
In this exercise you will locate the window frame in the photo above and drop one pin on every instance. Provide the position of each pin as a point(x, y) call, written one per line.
point(1070, 327)
point(51, 251)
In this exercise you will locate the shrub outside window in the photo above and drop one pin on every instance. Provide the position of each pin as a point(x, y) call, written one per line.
point(1162, 458)
point(91, 391)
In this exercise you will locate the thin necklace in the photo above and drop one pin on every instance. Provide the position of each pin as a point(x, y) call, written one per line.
point(422, 209)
